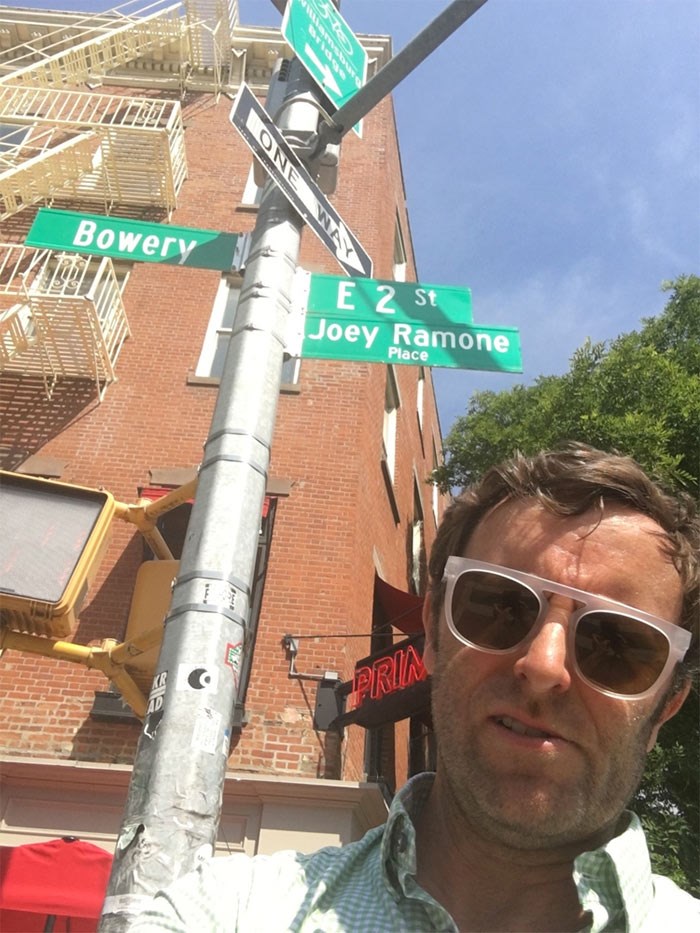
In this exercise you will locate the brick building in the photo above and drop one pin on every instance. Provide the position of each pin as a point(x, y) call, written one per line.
point(109, 378)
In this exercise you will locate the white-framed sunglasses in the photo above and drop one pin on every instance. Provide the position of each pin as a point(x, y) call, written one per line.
point(616, 649)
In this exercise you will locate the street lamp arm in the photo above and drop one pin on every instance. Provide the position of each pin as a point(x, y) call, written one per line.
point(396, 70)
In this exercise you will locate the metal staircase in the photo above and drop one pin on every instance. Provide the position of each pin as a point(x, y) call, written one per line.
point(95, 147)
point(89, 47)
point(192, 37)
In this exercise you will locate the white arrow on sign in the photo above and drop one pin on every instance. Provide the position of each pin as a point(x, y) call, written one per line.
point(329, 83)
point(289, 173)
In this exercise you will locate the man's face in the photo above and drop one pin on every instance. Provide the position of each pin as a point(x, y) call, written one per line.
point(529, 754)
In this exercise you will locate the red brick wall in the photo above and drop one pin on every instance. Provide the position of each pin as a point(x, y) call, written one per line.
point(328, 442)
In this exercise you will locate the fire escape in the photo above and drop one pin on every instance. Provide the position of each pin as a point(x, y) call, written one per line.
point(63, 316)
point(63, 140)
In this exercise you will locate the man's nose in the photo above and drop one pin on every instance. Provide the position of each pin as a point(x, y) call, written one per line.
point(543, 662)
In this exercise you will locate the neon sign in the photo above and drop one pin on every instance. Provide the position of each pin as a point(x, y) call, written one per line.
point(400, 668)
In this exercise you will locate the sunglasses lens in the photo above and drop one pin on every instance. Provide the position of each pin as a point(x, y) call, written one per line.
point(619, 653)
point(491, 611)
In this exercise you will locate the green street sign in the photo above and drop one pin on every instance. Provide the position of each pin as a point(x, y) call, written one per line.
point(335, 296)
point(465, 346)
point(135, 240)
point(326, 47)
point(378, 321)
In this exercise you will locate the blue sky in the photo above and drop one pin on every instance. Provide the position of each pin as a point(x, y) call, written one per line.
point(551, 150)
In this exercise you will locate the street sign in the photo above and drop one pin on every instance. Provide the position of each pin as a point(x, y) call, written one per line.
point(334, 296)
point(289, 173)
point(137, 241)
point(466, 346)
point(376, 321)
point(326, 46)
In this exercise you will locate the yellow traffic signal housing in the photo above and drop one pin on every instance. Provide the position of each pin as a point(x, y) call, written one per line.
point(149, 606)
point(52, 541)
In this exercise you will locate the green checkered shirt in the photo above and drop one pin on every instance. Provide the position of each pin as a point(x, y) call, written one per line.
point(369, 886)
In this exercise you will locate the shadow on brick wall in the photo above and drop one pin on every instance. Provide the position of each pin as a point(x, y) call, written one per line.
point(29, 419)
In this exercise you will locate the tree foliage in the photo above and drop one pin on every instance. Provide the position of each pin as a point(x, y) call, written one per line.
point(668, 800)
point(638, 394)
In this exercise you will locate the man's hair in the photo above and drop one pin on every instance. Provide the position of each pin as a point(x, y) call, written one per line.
point(569, 481)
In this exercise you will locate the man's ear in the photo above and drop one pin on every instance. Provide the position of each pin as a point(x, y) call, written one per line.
point(668, 711)
point(430, 635)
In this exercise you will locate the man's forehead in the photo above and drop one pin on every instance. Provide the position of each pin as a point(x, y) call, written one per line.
point(615, 551)
point(527, 522)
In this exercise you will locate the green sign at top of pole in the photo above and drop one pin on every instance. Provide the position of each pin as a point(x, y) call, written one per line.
point(326, 46)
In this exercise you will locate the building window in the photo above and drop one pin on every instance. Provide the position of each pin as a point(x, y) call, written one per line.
point(420, 396)
point(12, 135)
point(418, 566)
point(436, 491)
point(252, 192)
point(216, 340)
point(223, 314)
point(399, 268)
point(422, 748)
point(391, 408)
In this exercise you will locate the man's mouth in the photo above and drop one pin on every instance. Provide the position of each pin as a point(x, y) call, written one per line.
point(516, 726)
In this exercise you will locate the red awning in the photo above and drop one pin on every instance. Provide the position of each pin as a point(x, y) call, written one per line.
point(157, 492)
point(61, 879)
point(403, 610)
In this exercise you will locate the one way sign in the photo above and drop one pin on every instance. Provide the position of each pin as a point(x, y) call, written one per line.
point(280, 161)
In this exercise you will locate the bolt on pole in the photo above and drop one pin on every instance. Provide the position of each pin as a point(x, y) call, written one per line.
point(173, 806)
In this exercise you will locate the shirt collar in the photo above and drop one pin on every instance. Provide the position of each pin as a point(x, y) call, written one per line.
point(399, 839)
point(613, 882)
point(616, 880)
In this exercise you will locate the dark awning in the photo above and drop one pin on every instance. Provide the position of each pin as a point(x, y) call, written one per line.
point(403, 610)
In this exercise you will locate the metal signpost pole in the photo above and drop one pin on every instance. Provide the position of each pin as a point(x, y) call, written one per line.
point(172, 811)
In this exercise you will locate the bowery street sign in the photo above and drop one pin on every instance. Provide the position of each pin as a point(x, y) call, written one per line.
point(286, 169)
point(375, 321)
point(136, 241)
point(326, 47)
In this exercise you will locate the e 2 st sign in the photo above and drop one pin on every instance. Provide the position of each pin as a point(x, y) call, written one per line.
point(403, 301)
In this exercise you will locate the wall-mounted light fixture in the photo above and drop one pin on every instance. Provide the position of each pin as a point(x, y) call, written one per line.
point(290, 643)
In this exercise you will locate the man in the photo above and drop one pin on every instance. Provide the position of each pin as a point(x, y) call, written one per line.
point(563, 591)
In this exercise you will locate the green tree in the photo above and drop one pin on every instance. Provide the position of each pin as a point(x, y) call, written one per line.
point(639, 394)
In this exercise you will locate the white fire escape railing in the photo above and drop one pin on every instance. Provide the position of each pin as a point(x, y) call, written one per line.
point(63, 316)
point(129, 149)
